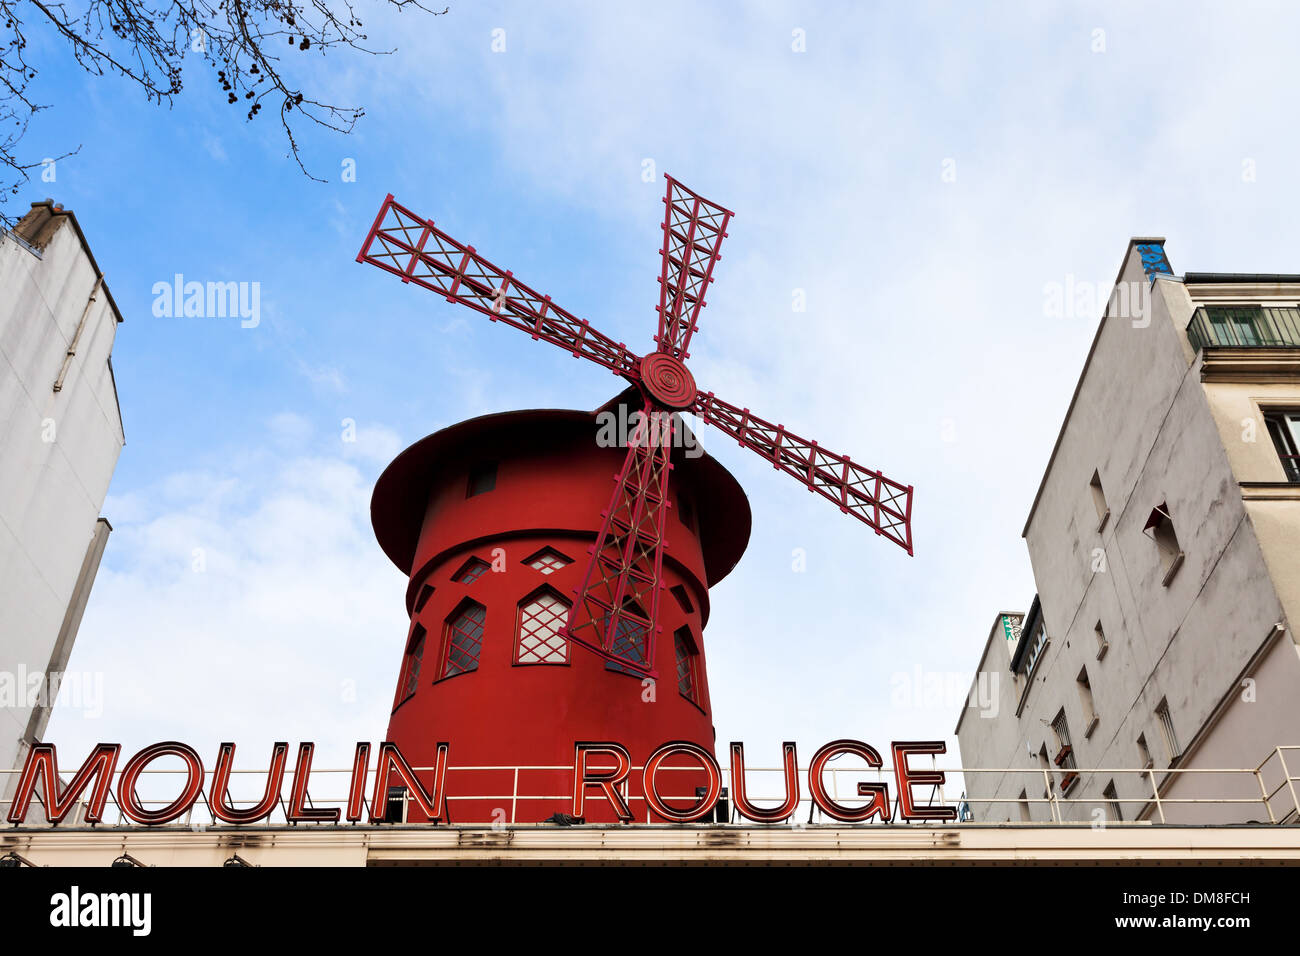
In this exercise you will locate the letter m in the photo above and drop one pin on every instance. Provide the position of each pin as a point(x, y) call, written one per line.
point(43, 765)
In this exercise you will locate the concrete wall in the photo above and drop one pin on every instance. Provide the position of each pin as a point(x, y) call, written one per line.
point(59, 448)
point(1141, 419)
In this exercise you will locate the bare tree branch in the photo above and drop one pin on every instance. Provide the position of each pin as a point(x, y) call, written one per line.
point(243, 42)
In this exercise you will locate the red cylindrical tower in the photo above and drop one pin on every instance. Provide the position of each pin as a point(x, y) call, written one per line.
point(493, 519)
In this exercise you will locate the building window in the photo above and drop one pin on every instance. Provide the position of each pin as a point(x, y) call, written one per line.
point(1103, 645)
point(482, 478)
point(630, 642)
point(411, 666)
point(1099, 500)
point(684, 599)
point(687, 664)
point(1023, 803)
point(426, 592)
point(1085, 699)
point(548, 561)
point(1235, 325)
point(1112, 803)
point(463, 639)
point(1167, 732)
point(1039, 639)
point(395, 805)
point(685, 514)
point(1046, 765)
point(1065, 752)
point(1160, 528)
point(542, 619)
point(1284, 426)
point(1144, 753)
point(471, 571)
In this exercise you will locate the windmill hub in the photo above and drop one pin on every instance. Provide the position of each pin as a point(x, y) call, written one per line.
point(668, 380)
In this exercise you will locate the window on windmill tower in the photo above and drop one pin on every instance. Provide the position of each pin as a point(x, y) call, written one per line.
point(685, 513)
point(471, 571)
point(688, 670)
point(542, 618)
point(1160, 529)
point(631, 642)
point(548, 561)
point(463, 639)
point(482, 478)
point(414, 657)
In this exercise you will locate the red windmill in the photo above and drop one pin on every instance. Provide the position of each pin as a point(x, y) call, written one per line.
point(619, 596)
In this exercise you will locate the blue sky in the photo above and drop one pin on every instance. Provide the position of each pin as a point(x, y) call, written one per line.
point(925, 350)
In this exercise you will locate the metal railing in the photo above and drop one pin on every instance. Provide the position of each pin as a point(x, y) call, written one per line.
point(1244, 327)
point(1159, 800)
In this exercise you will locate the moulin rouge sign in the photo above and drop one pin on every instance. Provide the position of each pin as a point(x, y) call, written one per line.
point(600, 767)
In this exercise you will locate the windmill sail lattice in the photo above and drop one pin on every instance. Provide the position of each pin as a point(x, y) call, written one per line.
point(617, 606)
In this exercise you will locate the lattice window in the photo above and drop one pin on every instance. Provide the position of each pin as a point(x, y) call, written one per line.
point(630, 642)
point(541, 624)
point(687, 661)
point(548, 561)
point(414, 657)
point(471, 571)
point(464, 639)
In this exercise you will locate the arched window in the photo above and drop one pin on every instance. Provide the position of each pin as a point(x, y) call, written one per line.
point(542, 616)
point(463, 639)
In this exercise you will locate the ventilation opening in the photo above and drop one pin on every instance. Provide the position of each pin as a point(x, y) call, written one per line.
point(482, 478)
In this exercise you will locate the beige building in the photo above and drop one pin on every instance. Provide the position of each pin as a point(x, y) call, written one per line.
point(1164, 546)
point(60, 437)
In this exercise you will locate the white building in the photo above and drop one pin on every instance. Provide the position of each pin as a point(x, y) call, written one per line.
point(1164, 544)
point(60, 436)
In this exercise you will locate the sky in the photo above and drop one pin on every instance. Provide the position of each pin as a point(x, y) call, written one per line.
point(922, 176)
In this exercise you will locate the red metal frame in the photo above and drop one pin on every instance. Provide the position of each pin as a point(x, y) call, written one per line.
point(622, 579)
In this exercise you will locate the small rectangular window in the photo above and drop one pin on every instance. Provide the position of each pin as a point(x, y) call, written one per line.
point(1103, 645)
point(426, 592)
point(1167, 732)
point(687, 669)
point(1023, 803)
point(1144, 753)
point(482, 478)
point(684, 599)
point(1086, 702)
point(1065, 752)
point(1099, 500)
point(1112, 802)
point(1160, 528)
point(1284, 427)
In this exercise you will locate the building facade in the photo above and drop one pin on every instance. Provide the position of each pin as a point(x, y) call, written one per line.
point(60, 437)
point(1163, 541)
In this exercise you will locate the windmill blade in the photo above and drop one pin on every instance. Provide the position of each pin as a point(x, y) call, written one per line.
point(417, 251)
point(868, 495)
point(693, 232)
point(616, 613)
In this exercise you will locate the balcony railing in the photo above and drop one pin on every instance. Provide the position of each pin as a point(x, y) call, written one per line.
point(1245, 327)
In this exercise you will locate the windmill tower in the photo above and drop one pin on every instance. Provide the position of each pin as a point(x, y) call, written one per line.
point(539, 618)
